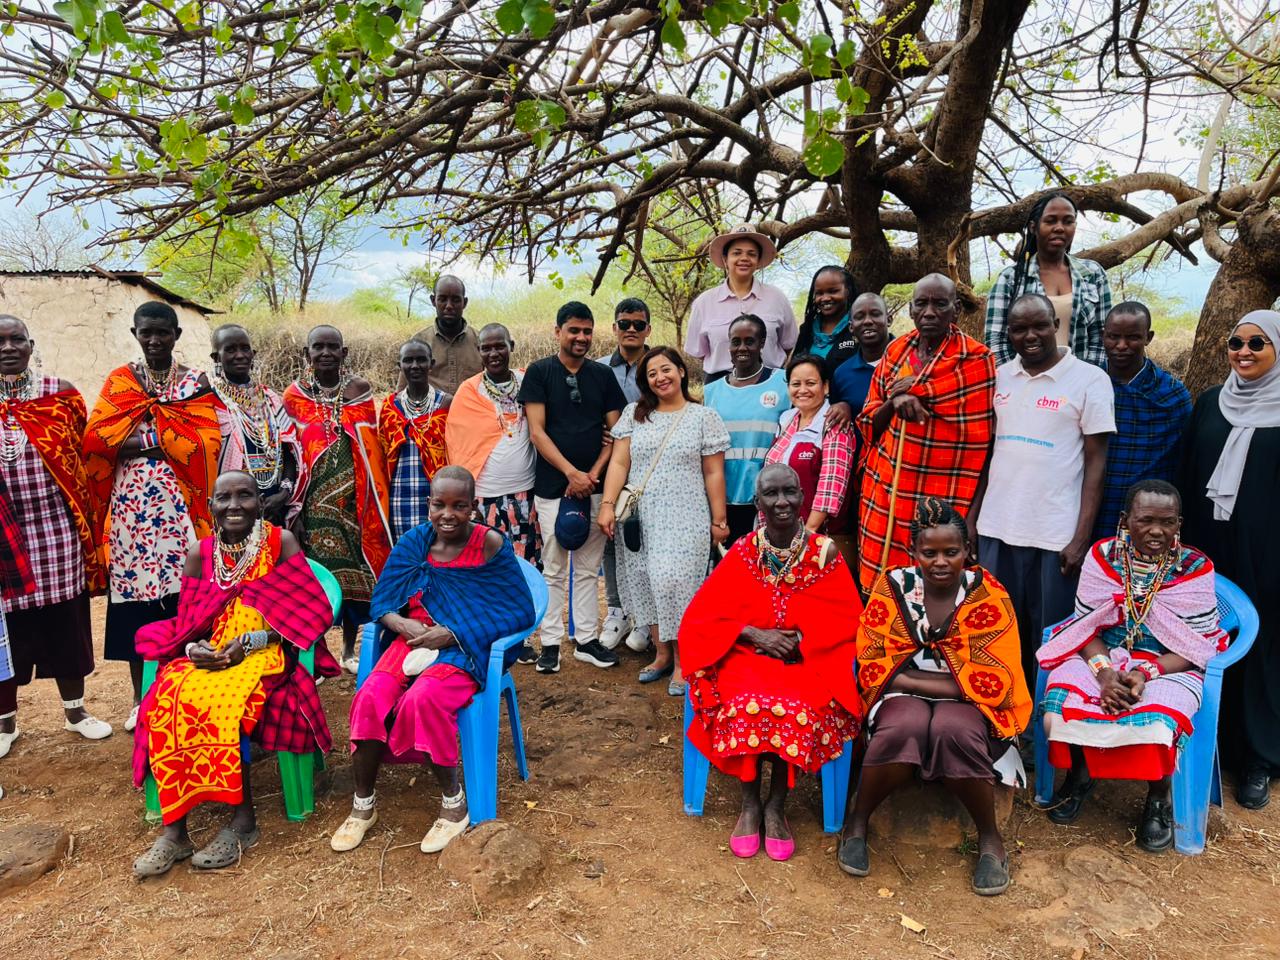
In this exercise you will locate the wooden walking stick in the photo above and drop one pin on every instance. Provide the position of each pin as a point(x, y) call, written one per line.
point(901, 434)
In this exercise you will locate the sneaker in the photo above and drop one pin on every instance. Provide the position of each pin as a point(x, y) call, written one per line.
point(616, 626)
point(638, 639)
point(527, 653)
point(549, 660)
point(132, 722)
point(593, 653)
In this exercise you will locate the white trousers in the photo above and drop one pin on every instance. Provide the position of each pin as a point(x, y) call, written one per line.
point(555, 570)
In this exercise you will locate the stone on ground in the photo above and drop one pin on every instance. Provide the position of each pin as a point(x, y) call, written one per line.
point(28, 851)
point(497, 859)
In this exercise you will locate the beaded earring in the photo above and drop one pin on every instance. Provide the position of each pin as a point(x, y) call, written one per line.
point(1122, 534)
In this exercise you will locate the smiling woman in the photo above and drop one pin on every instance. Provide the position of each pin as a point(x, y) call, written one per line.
point(1229, 477)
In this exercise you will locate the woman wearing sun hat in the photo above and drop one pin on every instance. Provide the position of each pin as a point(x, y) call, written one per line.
point(740, 253)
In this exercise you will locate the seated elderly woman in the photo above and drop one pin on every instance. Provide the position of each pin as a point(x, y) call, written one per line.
point(767, 647)
point(450, 589)
point(249, 602)
point(1127, 670)
point(942, 683)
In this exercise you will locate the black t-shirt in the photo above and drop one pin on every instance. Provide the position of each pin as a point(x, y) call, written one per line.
point(577, 429)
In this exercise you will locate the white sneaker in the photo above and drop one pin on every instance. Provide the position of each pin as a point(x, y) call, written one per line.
point(132, 722)
point(638, 639)
point(351, 834)
point(91, 728)
point(6, 741)
point(442, 832)
point(616, 626)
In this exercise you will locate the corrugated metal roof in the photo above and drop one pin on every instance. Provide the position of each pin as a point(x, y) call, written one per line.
point(133, 277)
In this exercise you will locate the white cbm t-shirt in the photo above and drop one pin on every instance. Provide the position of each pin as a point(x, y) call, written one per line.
point(1037, 463)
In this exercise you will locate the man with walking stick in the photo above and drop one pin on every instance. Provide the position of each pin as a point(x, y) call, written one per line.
point(926, 426)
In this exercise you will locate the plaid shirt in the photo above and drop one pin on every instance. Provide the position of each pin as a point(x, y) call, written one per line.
point(834, 471)
point(1151, 411)
point(1090, 304)
point(943, 456)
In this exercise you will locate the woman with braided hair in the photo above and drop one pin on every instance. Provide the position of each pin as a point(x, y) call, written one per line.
point(1078, 289)
point(941, 680)
point(825, 331)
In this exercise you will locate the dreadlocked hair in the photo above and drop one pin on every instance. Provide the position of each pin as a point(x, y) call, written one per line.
point(805, 335)
point(932, 512)
point(1027, 248)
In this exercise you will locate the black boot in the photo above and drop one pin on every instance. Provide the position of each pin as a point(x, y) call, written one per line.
point(1068, 800)
point(1253, 792)
point(1155, 829)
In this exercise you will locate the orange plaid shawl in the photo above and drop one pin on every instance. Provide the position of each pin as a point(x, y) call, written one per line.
point(944, 455)
point(55, 425)
point(373, 488)
point(982, 649)
point(427, 432)
point(189, 436)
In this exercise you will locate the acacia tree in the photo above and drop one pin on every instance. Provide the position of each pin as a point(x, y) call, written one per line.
point(525, 129)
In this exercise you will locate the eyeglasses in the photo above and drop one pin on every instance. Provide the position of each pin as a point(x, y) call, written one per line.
point(639, 326)
point(1257, 343)
point(571, 381)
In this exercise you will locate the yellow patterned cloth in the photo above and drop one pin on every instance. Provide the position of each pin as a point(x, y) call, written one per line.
point(195, 717)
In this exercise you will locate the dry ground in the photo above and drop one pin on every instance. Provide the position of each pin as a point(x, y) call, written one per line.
point(628, 875)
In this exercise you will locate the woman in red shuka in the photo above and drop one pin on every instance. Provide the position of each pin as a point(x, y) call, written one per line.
point(768, 648)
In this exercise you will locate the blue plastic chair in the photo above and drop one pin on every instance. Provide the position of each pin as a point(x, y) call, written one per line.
point(1197, 780)
point(834, 776)
point(478, 722)
point(297, 770)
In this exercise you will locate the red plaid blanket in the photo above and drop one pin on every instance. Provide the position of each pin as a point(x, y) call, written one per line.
point(943, 456)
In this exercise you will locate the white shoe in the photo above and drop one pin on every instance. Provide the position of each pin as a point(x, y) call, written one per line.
point(442, 833)
point(91, 728)
point(351, 834)
point(6, 741)
point(351, 665)
point(616, 626)
point(638, 639)
point(132, 722)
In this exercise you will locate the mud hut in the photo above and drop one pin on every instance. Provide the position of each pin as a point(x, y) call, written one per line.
point(80, 320)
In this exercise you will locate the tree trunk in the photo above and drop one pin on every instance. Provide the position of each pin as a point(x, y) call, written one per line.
point(1249, 279)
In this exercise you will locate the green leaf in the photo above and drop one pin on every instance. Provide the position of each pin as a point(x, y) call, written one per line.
point(553, 112)
point(672, 35)
point(386, 27)
point(242, 113)
point(539, 16)
point(844, 89)
point(341, 12)
point(716, 17)
point(858, 101)
point(846, 53)
point(197, 150)
point(510, 16)
point(820, 45)
point(113, 26)
point(790, 12)
point(824, 155)
point(527, 116)
point(55, 99)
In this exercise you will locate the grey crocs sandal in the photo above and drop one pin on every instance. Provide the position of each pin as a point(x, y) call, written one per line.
point(159, 860)
point(225, 849)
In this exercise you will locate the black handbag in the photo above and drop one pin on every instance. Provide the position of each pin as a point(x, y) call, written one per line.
point(631, 536)
point(629, 500)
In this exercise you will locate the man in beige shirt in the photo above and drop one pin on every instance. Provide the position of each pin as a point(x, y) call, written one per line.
point(454, 345)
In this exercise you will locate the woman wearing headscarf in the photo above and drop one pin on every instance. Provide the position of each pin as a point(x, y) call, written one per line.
point(1230, 474)
point(1077, 288)
point(740, 253)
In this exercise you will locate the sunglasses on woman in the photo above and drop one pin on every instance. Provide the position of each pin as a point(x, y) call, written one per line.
point(1257, 343)
point(639, 326)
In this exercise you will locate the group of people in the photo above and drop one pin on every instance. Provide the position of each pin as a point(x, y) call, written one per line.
point(852, 538)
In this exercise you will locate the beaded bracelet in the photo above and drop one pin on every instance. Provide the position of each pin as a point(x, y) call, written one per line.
point(254, 640)
point(1149, 669)
point(1099, 662)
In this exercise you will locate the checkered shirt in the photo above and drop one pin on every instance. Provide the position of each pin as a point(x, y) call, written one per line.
point(1090, 304)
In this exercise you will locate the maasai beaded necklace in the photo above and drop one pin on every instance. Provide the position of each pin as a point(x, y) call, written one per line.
point(13, 439)
point(251, 417)
point(418, 408)
point(159, 383)
point(504, 395)
point(229, 572)
point(1140, 598)
point(332, 401)
point(779, 561)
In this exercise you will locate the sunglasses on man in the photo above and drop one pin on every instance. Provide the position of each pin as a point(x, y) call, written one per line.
point(571, 381)
point(639, 326)
point(1257, 343)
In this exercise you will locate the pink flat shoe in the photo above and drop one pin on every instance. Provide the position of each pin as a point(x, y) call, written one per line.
point(745, 847)
point(779, 850)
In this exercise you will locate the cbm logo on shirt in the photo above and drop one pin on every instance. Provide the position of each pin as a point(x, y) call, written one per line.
point(1050, 403)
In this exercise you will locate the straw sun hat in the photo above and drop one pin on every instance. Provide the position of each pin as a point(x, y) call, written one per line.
point(744, 231)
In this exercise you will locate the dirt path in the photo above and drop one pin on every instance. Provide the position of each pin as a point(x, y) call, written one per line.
point(627, 875)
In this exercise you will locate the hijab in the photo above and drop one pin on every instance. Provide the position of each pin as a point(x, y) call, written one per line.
point(1246, 405)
